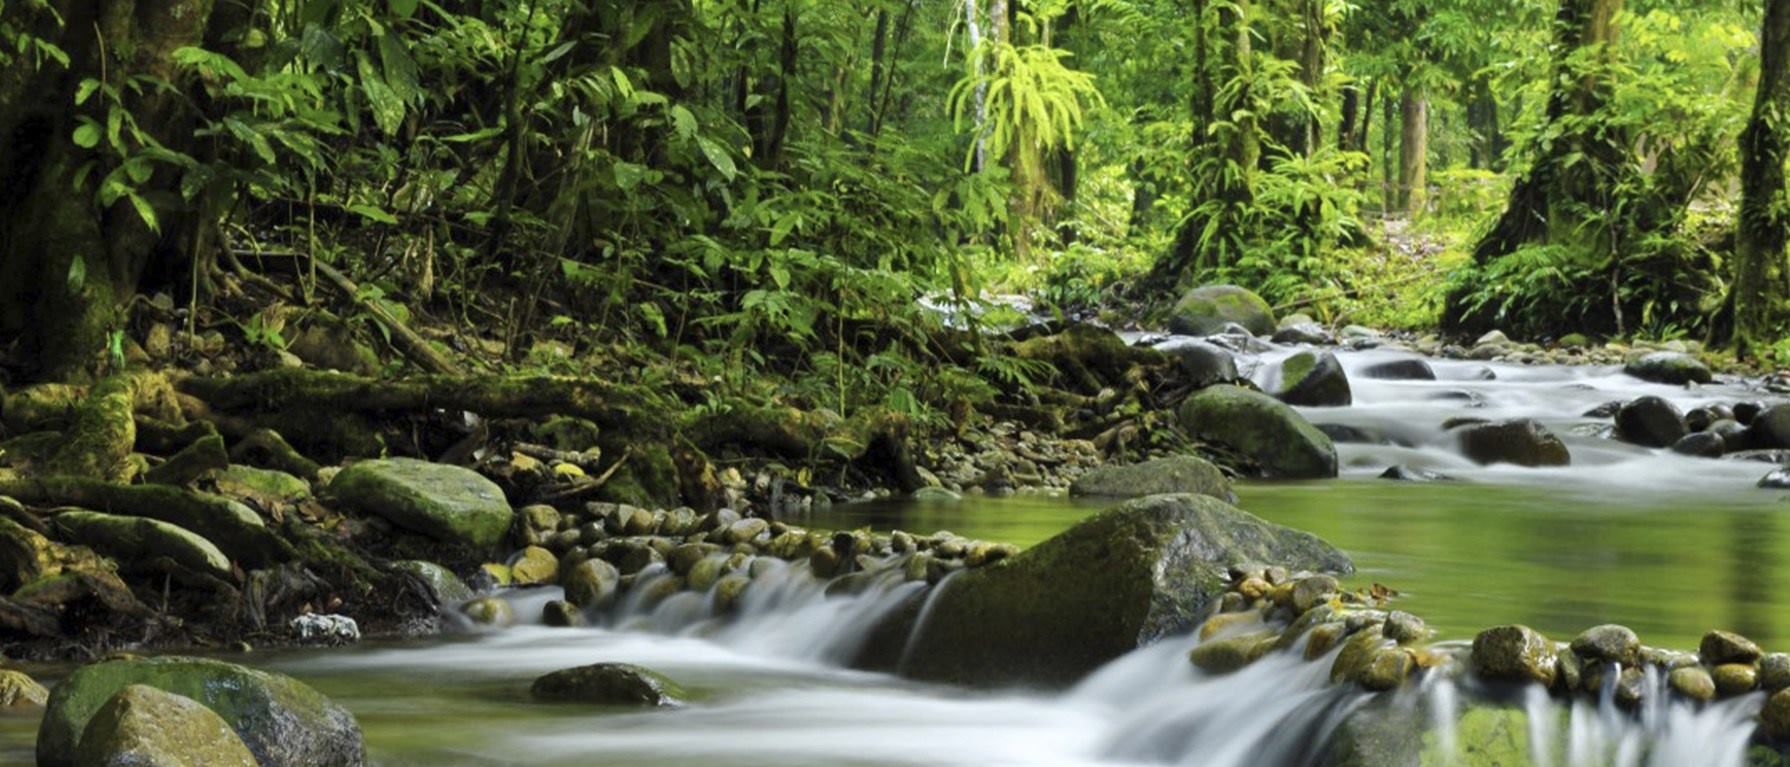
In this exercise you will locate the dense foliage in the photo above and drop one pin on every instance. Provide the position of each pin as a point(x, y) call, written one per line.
point(727, 182)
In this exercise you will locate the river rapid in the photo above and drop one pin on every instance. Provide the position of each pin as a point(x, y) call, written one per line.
point(1667, 544)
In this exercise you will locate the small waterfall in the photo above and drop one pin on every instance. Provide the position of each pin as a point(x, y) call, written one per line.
point(913, 637)
point(785, 612)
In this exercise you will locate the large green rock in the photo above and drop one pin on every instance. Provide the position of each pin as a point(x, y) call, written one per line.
point(1385, 734)
point(1128, 576)
point(1174, 474)
point(1314, 380)
point(283, 722)
point(1669, 368)
point(141, 541)
point(142, 726)
point(1523, 442)
point(447, 503)
point(1273, 436)
point(1205, 311)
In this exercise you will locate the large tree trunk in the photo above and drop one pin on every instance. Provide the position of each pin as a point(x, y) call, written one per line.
point(1547, 203)
point(1413, 150)
point(66, 265)
point(1761, 275)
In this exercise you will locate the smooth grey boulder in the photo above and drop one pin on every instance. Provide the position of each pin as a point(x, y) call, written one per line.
point(1131, 575)
point(608, 684)
point(1412, 369)
point(1200, 363)
point(1650, 422)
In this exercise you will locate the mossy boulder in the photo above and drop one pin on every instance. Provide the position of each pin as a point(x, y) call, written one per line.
point(448, 503)
point(1125, 577)
point(1669, 368)
point(608, 684)
point(1207, 310)
point(1174, 474)
point(284, 722)
point(1314, 380)
point(1200, 364)
point(138, 541)
point(264, 486)
point(1271, 435)
point(143, 726)
point(1514, 653)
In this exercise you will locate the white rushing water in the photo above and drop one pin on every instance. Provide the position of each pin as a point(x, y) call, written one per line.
point(1409, 415)
point(770, 690)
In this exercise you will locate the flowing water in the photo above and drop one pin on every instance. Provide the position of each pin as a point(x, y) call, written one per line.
point(1666, 544)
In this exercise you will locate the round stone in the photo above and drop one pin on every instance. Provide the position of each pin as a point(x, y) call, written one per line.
point(1609, 643)
point(1514, 653)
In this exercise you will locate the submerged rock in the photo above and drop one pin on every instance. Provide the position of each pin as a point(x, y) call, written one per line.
point(608, 684)
point(1131, 575)
point(142, 726)
point(1309, 333)
point(1175, 474)
point(447, 503)
point(1669, 368)
point(1402, 473)
point(1523, 442)
point(283, 721)
point(1207, 310)
point(1314, 380)
point(1268, 432)
point(442, 585)
point(1702, 444)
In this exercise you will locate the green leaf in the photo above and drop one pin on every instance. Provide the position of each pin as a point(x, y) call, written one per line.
point(145, 211)
point(77, 274)
point(87, 136)
point(629, 175)
point(400, 70)
point(684, 123)
point(403, 9)
point(387, 107)
point(86, 91)
point(718, 157)
point(374, 213)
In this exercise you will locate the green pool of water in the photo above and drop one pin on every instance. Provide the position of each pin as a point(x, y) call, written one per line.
point(1468, 556)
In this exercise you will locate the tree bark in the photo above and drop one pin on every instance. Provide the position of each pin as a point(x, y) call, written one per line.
point(1761, 275)
point(1413, 150)
point(66, 265)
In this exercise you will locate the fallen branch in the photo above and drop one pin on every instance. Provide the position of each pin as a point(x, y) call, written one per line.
point(236, 530)
point(413, 346)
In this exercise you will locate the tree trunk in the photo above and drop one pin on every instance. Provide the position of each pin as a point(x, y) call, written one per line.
point(878, 49)
point(1350, 121)
point(1761, 275)
point(1388, 170)
point(66, 265)
point(1413, 151)
point(1569, 174)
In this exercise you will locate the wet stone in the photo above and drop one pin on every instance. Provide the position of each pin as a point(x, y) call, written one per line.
point(1733, 679)
point(1404, 628)
point(1774, 671)
point(1313, 591)
point(1692, 682)
point(1719, 647)
point(1514, 653)
point(1608, 644)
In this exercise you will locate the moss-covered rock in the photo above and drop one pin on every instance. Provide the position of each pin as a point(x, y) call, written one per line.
point(1314, 380)
point(1385, 734)
point(19, 691)
point(264, 486)
point(283, 721)
point(443, 585)
point(1175, 474)
point(609, 684)
point(1279, 441)
point(137, 541)
point(534, 565)
point(447, 503)
point(1206, 310)
point(1669, 368)
point(143, 726)
point(1133, 574)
